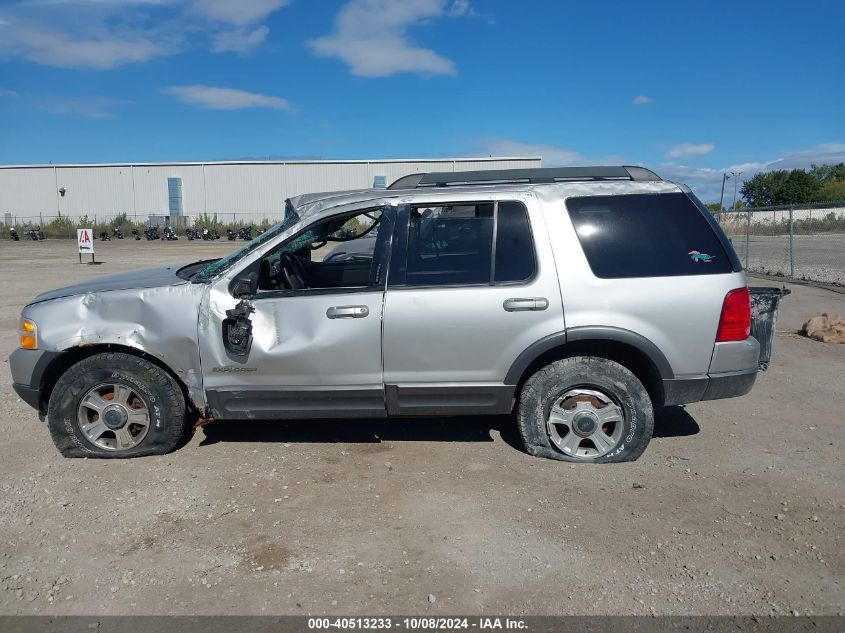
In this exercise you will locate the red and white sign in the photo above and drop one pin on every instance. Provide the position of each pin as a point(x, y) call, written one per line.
point(85, 240)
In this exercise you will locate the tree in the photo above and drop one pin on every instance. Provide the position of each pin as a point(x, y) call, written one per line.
point(759, 190)
point(781, 187)
point(713, 207)
point(834, 190)
point(828, 173)
point(799, 187)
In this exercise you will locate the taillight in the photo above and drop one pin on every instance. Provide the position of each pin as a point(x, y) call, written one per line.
point(735, 320)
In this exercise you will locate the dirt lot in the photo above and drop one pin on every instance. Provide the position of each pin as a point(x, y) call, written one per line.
point(737, 506)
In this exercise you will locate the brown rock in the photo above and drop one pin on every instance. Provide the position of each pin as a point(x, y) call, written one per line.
point(827, 328)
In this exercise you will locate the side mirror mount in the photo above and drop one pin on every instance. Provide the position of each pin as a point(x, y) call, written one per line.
point(244, 287)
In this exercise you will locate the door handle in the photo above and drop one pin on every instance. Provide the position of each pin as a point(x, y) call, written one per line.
point(347, 312)
point(524, 304)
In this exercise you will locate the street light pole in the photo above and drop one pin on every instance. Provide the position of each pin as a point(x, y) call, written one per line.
point(736, 175)
point(722, 197)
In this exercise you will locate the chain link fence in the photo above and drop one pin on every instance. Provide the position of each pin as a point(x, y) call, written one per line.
point(63, 227)
point(801, 242)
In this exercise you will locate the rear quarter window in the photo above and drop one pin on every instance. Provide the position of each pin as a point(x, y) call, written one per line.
point(646, 235)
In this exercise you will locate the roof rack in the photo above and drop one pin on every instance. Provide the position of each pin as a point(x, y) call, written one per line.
point(525, 176)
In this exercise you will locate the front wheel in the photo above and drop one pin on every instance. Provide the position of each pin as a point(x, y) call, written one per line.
point(116, 405)
point(585, 409)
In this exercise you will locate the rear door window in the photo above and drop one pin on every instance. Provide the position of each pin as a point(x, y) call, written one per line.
point(514, 247)
point(469, 243)
point(646, 235)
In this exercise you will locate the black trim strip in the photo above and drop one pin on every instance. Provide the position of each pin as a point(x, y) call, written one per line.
point(684, 391)
point(399, 256)
point(295, 404)
point(445, 400)
point(729, 385)
point(587, 333)
point(30, 395)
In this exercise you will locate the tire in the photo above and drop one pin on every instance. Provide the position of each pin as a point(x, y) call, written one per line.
point(585, 409)
point(141, 403)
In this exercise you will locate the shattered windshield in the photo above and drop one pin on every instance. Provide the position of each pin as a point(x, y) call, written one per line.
point(224, 264)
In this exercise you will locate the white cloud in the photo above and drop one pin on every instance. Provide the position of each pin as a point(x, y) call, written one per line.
point(8, 93)
point(642, 100)
point(54, 48)
point(105, 34)
point(217, 98)
point(237, 12)
point(240, 40)
point(371, 37)
point(690, 149)
point(461, 8)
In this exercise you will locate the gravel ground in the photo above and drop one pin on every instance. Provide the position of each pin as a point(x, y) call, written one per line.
point(735, 508)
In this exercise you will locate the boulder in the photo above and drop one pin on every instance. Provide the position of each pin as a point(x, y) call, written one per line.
point(827, 328)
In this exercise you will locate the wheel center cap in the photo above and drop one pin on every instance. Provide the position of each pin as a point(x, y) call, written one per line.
point(585, 424)
point(114, 417)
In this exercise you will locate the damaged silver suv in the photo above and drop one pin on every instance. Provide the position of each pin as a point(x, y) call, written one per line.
point(582, 298)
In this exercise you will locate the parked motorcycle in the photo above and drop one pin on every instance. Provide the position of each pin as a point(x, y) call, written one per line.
point(169, 234)
point(151, 233)
point(116, 232)
point(230, 235)
point(104, 236)
point(192, 234)
point(245, 233)
point(135, 234)
point(35, 234)
point(13, 235)
point(206, 234)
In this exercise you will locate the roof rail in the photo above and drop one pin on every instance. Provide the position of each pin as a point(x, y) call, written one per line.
point(525, 176)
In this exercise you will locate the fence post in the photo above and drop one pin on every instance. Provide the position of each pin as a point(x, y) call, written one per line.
point(791, 245)
point(747, 236)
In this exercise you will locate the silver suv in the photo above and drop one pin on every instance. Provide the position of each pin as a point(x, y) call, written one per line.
point(582, 298)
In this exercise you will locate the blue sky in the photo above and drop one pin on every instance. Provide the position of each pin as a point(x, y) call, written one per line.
point(688, 88)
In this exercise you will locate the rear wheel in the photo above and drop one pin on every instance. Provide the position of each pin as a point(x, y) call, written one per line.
point(585, 409)
point(116, 405)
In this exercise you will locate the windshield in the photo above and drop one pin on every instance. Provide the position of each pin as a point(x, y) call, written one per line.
point(221, 265)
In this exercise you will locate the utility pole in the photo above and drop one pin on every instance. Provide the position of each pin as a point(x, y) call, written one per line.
point(736, 175)
point(722, 197)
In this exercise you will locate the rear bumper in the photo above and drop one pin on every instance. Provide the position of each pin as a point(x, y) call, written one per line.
point(735, 356)
point(733, 370)
point(712, 387)
point(729, 385)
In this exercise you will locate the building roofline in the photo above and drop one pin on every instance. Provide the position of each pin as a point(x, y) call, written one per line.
point(274, 162)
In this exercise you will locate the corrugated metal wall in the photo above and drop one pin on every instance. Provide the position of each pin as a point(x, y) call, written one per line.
point(248, 191)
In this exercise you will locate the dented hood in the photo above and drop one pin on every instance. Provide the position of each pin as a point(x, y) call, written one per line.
point(143, 278)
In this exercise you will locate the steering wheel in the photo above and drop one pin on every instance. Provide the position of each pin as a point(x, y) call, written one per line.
point(294, 272)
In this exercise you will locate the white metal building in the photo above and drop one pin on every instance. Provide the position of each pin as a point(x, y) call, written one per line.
point(242, 190)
